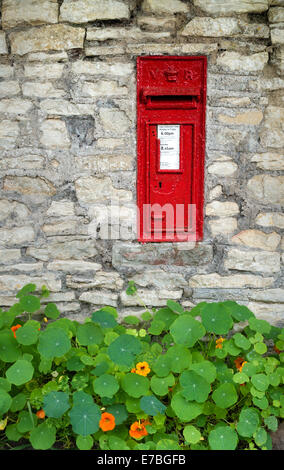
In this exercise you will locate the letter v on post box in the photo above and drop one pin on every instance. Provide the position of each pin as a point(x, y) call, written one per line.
point(171, 108)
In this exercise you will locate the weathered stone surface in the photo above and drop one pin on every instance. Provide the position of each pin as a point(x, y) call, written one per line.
point(162, 48)
point(12, 210)
point(277, 36)
point(215, 280)
point(258, 239)
point(152, 298)
point(24, 268)
point(223, 169)
point(3, 44)
point(114, 120)
point(159, 279)
point(10, 256)
point(41, 90)
point(43, 71)
point(103, 88)
point(276, 15)
point(266, 189)
point(103, 280)
point(264, 261)
point(105, 163)
point(9, 131)
point(17, 235)
point(132, 33)
point(6, 71)
point(246, 118)
point(270, 219)
point(272, 134)
point(215, 192)
point(101, 68)
point(73, 266)
point(61, 209)
point(164, 6)
point(268, 161)
point(32, 186)
point(62, 107)
point(128, 254)
point(47, 57)
point(222, 209)
point(65, 250)
point(15, 106)
point(83, 11)
point(54, 134)
point(268, 295)
point(93, 51)
point(223, 226)
point(271, 312)
point(13, 283)
point(92, 189)
point(35, 12)
point(225, 7)
point(74, 226)
point(236, 62)
point(210, 27)
point(9, 88)
point(157, 23)
point(100, 297)
point(45, 38)
point(23, 162)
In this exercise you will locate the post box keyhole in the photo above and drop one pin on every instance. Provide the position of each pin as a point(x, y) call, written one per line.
point(160, 184)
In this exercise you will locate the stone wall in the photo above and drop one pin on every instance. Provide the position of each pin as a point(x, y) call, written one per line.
point(68, 144)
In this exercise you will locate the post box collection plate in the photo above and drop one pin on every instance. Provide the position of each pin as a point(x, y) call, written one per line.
point(171, 106)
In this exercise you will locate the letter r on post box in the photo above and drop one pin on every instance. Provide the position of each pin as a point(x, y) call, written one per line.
point(171, 106)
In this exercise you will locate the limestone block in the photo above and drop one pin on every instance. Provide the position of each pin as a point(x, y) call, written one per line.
point(15, 106)
point(6, 71)
point(104, 163)
point(60, 209)
point(93, 189)
point(41, 90)
point(277, 36)
point(104, 50)
point(54, 134)
point(150, 297)
point(34, 12)
point(43, 71)
point(223, 226)
point(246, 118)
point(103, 88)
point(268, 295)
point(74, 226)
point(49, 57)
point(9, 131)
point(13, 283)
point(164, 6)
point(102, 280)
point(67, 249)
point(215, 280)
point(83, 11)
point(222, 209)
point(45, 38)
point(236, 62)
point(258, 239)
point(271, 312)
point(9, 88)
point(225, 7)
point(223, 169)
point(270, 219)
point(73, 266)
point(62, 107)
point(132, 33)
point(100, 298)
point(215, 192)
point(24, 268)
point(13, 210)
point(272, 134)
point(159, 279)
point(3, 44)
point(10, 256)
point(276, 15)
point(114, 120)
point(102, 68)
point(245, 260)
point(23, 162)
point(211, 27)
point(28, 185)
point(17, 235)
point(268, 161)
point(266, 189)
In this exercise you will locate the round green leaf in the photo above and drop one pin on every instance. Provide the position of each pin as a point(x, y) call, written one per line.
point(124, 349)
point(43, 436)
point(271, 422)
point(119, 412)
point(51, 311)
point(240, 378)
point(184, 410)
point(84, 442)
point(160, 385)
point(156, 327)
point(180, 358)
point(223, 438)
point(104, 319)
point(105, 386)
point(135, 385)
point(225, 395)
point(186, 330)
point(205, 369)
point(260, 381)
point(89, 334)
point(116, 443)
point(261, 403)
point(26, 422)
point(238, 312)
point(9, 347)
point(260, 326)
point(152, 406)
point(18, 402)
point(260, 437)
point(85, 418)
point(55, 404)
point(166, 315)
point(5, 402)
point(26, 290)
point(12, 433)
point(82, 398)
point(194, 387)
point(216, 318)
point(20, 373)
point(30, 303)
point(241, 341)
point(248, 422)
point(53, 342)
point(162, 366)
point(191, 434)
point(174, 306)
point(260, 348)
point(27, 335)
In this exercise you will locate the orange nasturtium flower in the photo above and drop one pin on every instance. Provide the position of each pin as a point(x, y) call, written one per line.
point(240, 362)
point(15, 328)
point(40, 414)
point(142, 368)
point(138, 429)
point(276, 349)
point(219, 342)
point(107, 422)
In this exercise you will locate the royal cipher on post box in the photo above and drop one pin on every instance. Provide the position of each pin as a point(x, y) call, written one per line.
point(171, 104)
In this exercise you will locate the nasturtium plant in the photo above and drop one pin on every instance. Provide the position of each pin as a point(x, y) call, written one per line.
point(208, 378)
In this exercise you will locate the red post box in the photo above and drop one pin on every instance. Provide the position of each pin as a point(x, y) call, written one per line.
point(171, 100)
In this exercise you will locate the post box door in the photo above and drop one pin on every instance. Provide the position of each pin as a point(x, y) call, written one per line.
point(171, 98)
